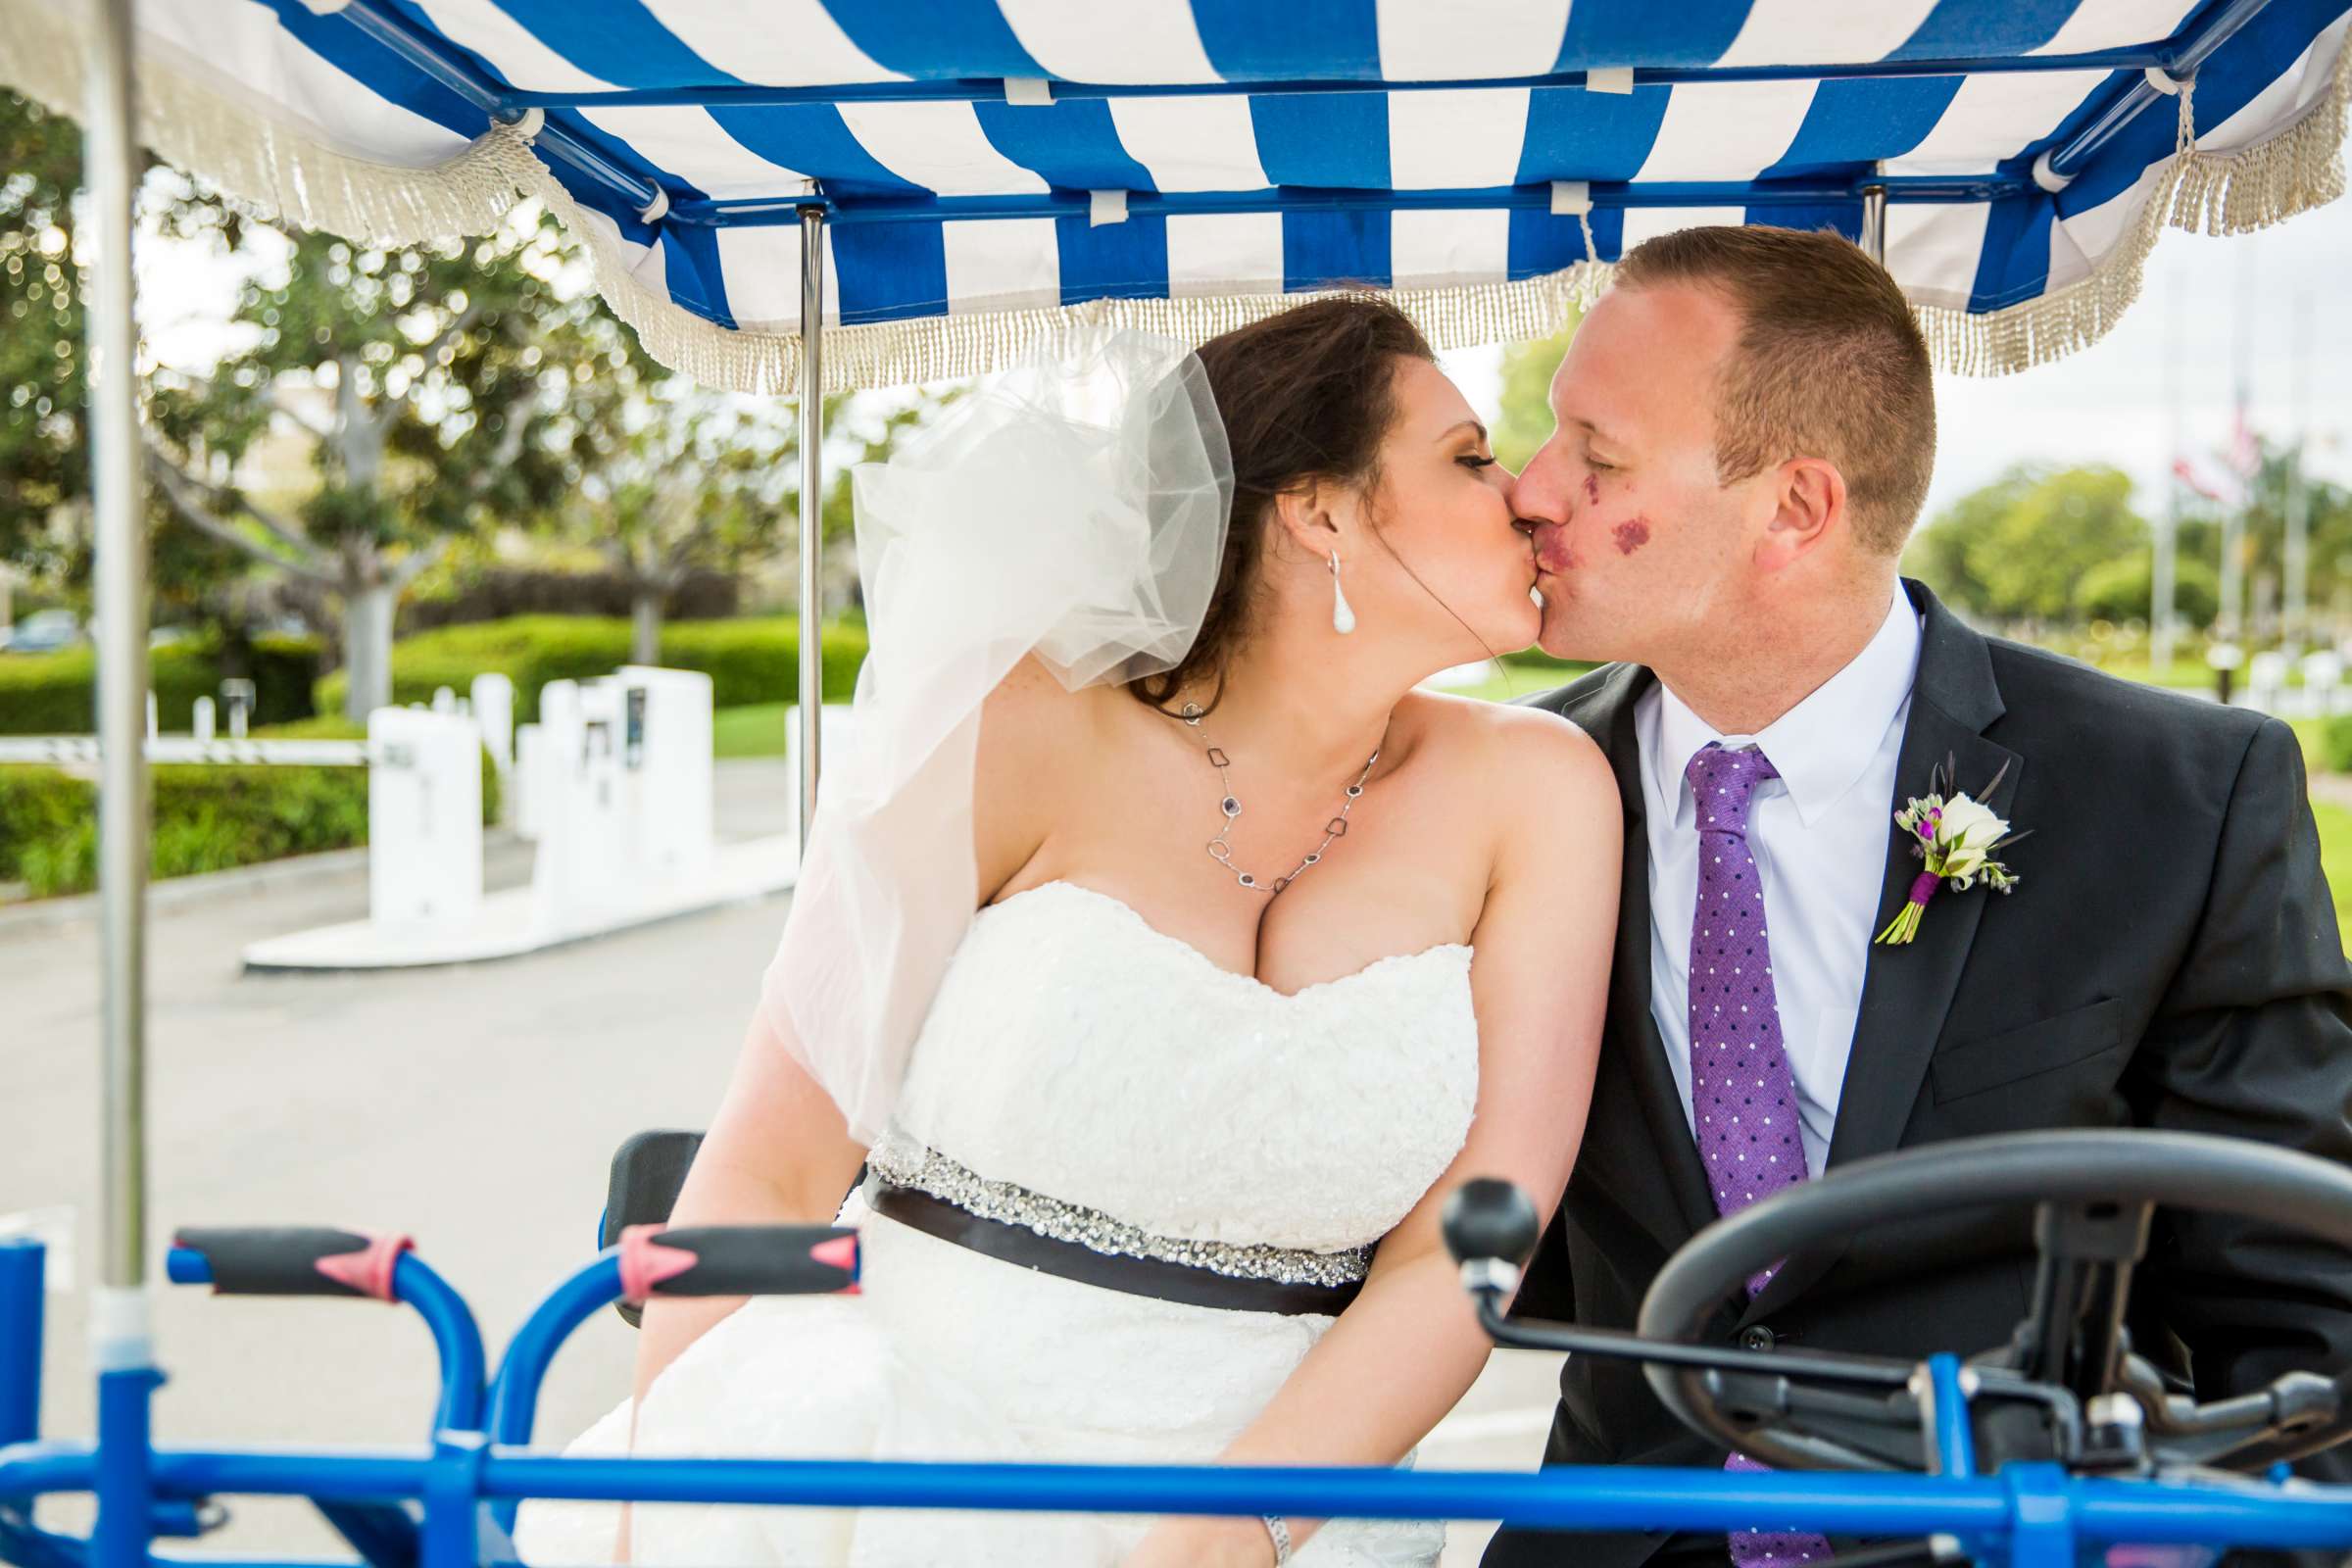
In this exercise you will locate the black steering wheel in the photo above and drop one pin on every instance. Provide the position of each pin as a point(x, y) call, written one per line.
point(2067, 1386)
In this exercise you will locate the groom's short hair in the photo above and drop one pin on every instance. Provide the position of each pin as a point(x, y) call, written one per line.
point(1829, 364)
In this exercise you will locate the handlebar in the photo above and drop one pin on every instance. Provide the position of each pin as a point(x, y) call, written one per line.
point(314, 1260)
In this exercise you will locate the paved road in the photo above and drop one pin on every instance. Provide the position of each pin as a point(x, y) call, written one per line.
point(474, 1107)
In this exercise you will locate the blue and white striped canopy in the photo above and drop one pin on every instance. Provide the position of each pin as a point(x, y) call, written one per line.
point(992, 170)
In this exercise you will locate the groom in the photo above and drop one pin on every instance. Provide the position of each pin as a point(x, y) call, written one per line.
point(1745, 431)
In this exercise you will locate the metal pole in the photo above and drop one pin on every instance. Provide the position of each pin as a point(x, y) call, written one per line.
point(812, 527)
point(1874, 219)
point(121, 1350)
point(112, 176)
point(2162, 594)
point(2298, 495)
point(2233, 516)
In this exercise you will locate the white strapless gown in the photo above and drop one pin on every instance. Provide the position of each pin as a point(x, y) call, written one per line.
point(1075, 1052)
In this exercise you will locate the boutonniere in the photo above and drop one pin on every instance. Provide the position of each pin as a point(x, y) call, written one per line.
point(1956, 836)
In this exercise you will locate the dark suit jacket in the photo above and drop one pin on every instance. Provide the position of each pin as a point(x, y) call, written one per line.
point(2168, 959)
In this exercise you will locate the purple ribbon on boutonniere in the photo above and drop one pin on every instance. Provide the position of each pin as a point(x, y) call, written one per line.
point(1956, 835)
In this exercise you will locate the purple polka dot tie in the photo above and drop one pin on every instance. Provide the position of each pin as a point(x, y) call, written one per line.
point(1742, 1095)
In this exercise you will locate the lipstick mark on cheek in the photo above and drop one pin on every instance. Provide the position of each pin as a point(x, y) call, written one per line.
point(1554, 555)
point(1632, 536)
point(1593, 489)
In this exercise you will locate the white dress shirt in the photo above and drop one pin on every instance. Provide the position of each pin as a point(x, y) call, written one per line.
point(1819, 834)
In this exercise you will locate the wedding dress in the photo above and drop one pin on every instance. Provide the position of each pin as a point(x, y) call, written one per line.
point(1051, 1079)
point(1078, 1070)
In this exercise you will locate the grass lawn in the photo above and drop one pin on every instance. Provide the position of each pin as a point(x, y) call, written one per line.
point(2191, 674)
point(754, 731)
point(2337, 854)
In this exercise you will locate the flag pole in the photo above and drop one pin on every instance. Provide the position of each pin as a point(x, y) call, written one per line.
point(2233, 516)
point(2299, 498)
point(2160, 593)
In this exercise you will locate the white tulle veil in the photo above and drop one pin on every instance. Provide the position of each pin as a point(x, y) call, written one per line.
point(1075, 509)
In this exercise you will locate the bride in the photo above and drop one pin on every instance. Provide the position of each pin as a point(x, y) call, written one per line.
point(1155, 1140)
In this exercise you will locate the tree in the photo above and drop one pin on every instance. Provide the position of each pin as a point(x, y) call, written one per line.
point(671, 478)
point(428, 378)
point(675, 481)
point(44, 450)
point(1525, 422)
point(2123, 591)
point(422, 376)
point(2328, 514)
point(2020, 548)
point(43, 470)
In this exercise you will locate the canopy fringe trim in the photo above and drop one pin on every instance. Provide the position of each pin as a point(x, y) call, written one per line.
point(283, 174)
point(2297, 168)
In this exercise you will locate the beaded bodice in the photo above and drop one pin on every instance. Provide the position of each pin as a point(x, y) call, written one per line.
point(1076, 1051)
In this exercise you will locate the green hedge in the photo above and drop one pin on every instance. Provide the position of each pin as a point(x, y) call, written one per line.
point(40, 808)
point(206, 818)
point(56, 694)
point(749, 659)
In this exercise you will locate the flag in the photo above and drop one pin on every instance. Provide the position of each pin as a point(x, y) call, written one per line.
point(2245, 450)
point(2189, 474)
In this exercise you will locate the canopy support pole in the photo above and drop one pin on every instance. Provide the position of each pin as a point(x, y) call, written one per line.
point(121, 1351)
point(812, 519)
point(1874, 217)
point(121, 567)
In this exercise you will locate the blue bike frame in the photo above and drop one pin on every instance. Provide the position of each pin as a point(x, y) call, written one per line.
point(425, 1507)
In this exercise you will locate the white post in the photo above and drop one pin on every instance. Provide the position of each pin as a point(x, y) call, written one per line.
point(200, 721)
point(492, 696)
point(238, 694)
point(526, 783)
point(424, 816)
point(813, 524)
point(666, 762)
point(111, 162)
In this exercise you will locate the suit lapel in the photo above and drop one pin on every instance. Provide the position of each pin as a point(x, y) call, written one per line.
point(1640, 1052)
point(1907, 991)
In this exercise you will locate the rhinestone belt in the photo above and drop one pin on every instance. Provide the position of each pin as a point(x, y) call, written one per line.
point(900, 1164)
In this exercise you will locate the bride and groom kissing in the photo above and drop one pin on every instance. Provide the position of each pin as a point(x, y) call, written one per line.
point(1166, 957)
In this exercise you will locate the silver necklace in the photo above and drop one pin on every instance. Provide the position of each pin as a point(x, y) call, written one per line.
point(1231, 806)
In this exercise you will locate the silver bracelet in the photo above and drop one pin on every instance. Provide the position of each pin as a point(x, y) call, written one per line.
point(1280, 1529)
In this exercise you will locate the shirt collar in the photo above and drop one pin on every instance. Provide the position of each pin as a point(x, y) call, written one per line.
point(1820, 747)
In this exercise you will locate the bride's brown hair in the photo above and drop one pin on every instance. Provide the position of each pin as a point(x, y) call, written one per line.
point(1307, 396)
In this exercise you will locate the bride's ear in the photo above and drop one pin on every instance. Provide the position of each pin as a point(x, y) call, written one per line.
point(1304, 517)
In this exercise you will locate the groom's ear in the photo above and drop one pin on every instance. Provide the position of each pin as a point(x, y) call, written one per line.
point(1809, 508)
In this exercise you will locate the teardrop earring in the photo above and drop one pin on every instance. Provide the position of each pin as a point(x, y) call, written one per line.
point(1343, 619)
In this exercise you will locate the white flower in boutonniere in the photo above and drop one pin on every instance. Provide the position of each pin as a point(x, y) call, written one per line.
point(1956, 836)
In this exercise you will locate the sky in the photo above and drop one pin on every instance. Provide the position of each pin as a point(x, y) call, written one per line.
point(2274, 308)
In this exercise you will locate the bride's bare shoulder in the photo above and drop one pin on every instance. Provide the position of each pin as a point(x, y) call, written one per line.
point(1510, 750)
point(1035, 737)
point(1031, 717)
point(1544, 792)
